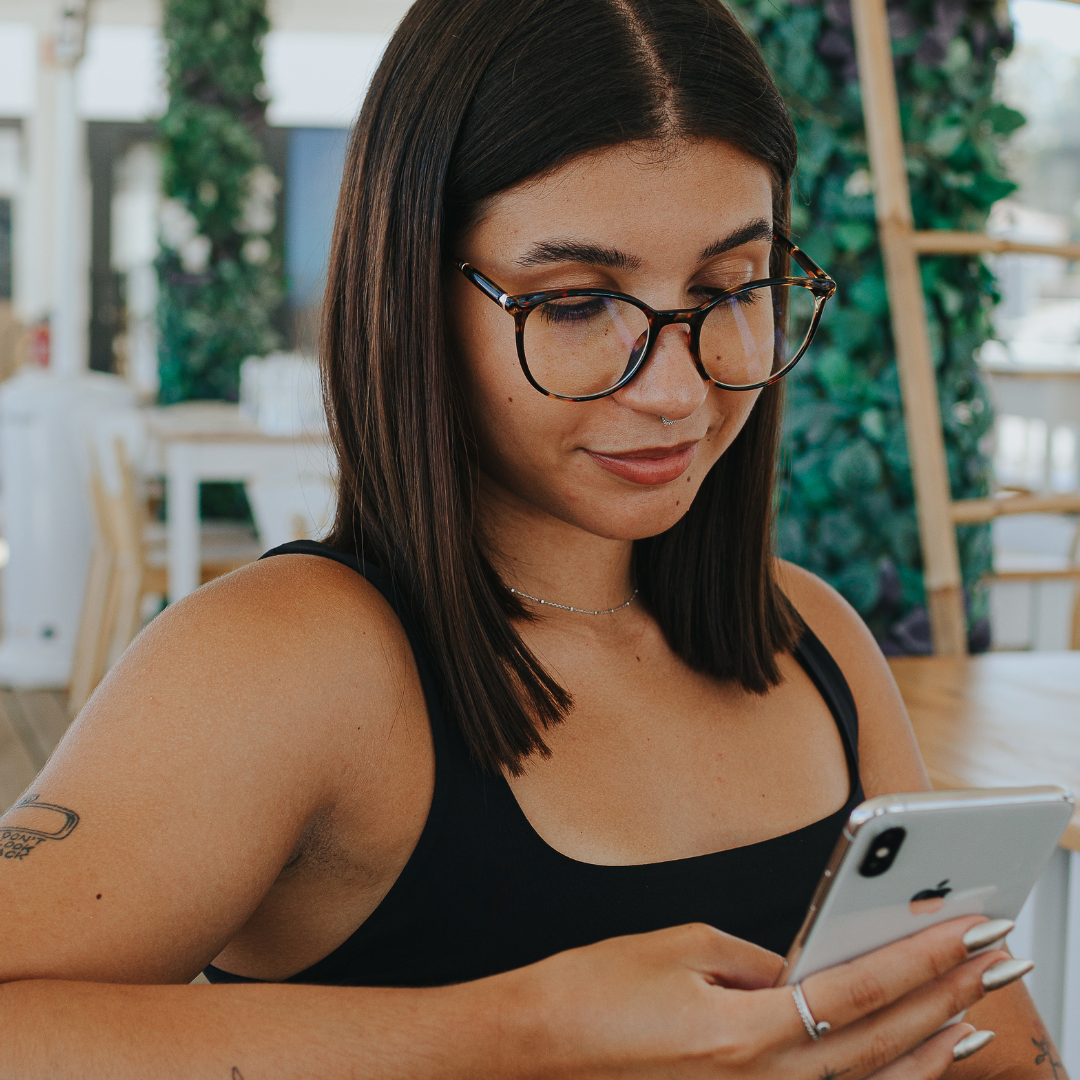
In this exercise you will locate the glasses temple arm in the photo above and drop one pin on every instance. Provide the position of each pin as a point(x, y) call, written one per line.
point(484, 284)
point(800, 256)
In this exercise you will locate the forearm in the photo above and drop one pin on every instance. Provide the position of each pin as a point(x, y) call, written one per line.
point(53, 1030)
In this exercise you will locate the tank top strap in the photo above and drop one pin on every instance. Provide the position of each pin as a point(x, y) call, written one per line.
point(445, 744)
point(829, 680)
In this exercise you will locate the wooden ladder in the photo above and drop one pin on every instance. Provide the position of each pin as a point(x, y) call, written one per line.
point(937, 512)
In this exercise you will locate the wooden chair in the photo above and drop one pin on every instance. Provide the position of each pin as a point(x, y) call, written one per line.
point(12, 333)
point(127, 567)
point(938, 514)
point(89, 663)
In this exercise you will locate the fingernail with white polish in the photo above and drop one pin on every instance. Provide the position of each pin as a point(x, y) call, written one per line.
point(987, 933)
point(972, 1044)
point(1005, 972)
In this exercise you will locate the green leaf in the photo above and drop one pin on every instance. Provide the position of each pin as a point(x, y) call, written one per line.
point(1004, 120)
point(856, 468)
point(854, 236)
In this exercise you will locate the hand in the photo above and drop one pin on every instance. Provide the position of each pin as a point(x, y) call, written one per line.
point(693, 1003)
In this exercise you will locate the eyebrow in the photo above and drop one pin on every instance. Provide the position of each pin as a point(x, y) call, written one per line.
point(578, 251)
point(755, 230)
point(581, 251)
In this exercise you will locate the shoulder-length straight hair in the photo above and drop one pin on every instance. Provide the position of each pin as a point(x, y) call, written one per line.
point(471, 98)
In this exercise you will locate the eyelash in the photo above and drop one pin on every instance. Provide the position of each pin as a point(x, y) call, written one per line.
point(555, 312)
point(586, 308)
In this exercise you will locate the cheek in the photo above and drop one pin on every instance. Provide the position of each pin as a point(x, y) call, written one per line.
point(485, 355)
point(731, 410)
point(512, 423)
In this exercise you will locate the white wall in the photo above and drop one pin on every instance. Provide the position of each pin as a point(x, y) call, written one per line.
point(122, 76)
point(335, 16)
point(18, 42)
point(316, 78)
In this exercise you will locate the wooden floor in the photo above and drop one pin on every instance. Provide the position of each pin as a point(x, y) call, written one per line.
point(32, 722)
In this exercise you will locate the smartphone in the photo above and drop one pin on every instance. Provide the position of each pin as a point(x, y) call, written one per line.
point(906, 862)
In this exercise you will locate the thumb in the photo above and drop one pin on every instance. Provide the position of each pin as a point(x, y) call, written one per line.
point(729, 961)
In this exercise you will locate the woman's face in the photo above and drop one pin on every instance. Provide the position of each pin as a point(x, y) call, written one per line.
point(669, 230)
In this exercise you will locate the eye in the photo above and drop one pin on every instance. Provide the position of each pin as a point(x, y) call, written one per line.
point(749, 298)
point(572, 309)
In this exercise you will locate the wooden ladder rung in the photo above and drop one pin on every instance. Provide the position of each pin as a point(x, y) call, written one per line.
point(973, 511)
point(1003, 576)
point(946, 242)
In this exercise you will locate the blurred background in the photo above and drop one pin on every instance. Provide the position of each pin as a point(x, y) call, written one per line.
point(317, 59)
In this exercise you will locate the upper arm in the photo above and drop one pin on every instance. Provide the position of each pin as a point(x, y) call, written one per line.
point(193, 772)
point(889, 758)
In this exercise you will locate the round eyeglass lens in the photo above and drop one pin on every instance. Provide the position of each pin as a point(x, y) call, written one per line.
point(753, 335)
point(581, 345)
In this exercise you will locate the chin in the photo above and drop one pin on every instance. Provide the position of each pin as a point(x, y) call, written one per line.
point(624, 522)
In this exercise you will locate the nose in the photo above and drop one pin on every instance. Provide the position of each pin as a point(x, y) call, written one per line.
point(669, 384)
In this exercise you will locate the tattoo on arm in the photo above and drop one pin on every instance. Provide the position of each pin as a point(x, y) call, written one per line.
point(1046, 1054)
point(30, 823)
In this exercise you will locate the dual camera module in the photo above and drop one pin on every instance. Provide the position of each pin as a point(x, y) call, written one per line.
point(882, 852)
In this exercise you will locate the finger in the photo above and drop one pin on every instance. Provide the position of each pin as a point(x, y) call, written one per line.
point(846, 993)
point(874, 1042)
point(725, 960)
point(929, 1061)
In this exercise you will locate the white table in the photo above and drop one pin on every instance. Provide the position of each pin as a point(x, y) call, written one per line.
point(205, 441)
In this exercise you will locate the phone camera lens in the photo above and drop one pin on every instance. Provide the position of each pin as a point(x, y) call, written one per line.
point(882, 852)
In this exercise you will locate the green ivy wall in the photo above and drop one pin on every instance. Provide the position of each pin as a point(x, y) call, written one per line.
point(846, 498)
point(220, 266)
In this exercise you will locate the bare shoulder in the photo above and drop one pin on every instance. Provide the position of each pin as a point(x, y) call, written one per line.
point(295, 636)
point(236, 719)
point(282, 621)
point(836, 623)
point(889, 757)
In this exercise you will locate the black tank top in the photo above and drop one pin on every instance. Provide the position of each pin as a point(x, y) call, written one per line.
point(483, 893)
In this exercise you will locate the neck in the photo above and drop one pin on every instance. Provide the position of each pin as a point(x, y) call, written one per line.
point(537, 553)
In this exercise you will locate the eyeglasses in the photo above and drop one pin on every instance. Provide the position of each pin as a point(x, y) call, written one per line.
point(583, 344)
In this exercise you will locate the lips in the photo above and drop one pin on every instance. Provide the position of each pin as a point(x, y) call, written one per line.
point(649, 466)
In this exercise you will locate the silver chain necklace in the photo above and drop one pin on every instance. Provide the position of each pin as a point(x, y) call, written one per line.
point(580, 611)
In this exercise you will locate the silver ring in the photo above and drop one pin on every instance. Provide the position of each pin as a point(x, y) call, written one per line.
point(814, 1028)
point(664, 420)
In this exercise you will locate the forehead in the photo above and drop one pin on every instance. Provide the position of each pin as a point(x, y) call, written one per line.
point(633, 195)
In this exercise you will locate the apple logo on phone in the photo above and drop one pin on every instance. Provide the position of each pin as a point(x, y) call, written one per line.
point(930, 901)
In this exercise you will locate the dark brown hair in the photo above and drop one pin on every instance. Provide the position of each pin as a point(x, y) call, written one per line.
point(471, 98)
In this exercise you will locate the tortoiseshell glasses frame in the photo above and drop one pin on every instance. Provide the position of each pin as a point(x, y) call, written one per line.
point(817, 282)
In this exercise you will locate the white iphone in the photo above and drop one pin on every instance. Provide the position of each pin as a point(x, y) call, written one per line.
point(906, 862)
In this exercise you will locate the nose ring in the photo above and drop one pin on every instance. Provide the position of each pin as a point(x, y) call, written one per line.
point(664, 420)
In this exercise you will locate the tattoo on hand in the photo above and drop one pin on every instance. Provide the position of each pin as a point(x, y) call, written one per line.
point(29, 823)
point(1046, 1054)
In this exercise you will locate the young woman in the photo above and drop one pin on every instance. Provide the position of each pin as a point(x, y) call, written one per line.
point(529, 770)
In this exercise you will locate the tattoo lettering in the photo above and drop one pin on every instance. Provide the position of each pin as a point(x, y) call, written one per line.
point(29, 823)
point(1046, 1054)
